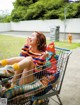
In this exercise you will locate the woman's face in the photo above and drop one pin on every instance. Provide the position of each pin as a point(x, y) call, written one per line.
point(33, 39)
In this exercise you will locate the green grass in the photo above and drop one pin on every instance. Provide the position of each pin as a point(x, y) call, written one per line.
point(67, 45)
point(11, 46)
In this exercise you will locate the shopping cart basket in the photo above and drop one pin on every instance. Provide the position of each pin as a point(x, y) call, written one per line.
point(37, 93)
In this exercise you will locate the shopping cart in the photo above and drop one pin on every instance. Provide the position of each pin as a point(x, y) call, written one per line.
point(37, 93)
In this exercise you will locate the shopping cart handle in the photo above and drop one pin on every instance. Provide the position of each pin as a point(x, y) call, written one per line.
point(62, 49)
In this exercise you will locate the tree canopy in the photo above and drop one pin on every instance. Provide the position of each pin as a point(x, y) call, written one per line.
point(44, 9)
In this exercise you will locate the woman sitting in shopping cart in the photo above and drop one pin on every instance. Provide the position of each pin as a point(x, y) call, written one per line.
point(33, 55)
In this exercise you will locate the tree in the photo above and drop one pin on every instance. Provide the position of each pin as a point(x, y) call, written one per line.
point(34, 1)
point(43, 9)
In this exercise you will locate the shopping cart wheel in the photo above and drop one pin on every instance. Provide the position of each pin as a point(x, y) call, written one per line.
point(41, 102)
point(44, 102)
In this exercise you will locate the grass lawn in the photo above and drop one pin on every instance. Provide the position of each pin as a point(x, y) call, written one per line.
point(67, 45)
point(11, 46)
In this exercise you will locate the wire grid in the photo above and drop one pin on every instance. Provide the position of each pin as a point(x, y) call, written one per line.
point(61, 66)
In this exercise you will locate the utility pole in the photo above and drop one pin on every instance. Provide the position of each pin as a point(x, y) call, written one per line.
point(65, 11)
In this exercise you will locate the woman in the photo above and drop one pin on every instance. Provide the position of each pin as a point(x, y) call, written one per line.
point(32, 55)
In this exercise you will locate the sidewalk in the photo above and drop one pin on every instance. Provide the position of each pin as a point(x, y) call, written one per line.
point(70, 93)
point(24, 34)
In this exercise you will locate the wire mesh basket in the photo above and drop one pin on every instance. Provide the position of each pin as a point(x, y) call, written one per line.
point(45, 85)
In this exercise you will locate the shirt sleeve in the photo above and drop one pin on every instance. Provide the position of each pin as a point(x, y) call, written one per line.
point(23, 50)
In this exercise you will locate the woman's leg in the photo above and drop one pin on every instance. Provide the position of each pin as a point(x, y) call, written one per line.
point(8, 70)
point(25, 67)
point(11, 61)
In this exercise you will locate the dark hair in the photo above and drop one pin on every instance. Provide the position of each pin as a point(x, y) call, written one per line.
point(41, 39)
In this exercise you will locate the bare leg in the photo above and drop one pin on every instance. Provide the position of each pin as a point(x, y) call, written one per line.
point(25, 68)
point(14, 60)
point(11, 61)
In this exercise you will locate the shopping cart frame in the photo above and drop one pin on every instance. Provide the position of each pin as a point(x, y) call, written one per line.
point(56, 91)
point(62, 63)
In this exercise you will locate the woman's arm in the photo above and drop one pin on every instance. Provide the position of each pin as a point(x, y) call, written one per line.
point(27, 41)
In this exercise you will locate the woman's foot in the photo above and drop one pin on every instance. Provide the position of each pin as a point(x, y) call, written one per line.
point(7, 71)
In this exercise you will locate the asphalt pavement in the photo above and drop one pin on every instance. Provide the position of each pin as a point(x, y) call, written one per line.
point(70, 92)
point(25, 34)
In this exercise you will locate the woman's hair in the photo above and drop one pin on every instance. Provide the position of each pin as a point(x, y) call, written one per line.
point(41, 39)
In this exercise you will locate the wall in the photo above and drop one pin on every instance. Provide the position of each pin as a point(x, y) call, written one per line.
point(36, 25)
point(5, 27)
point(72, 26)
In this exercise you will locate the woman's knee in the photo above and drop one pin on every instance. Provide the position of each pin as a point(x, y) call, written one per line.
point(29, 59)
